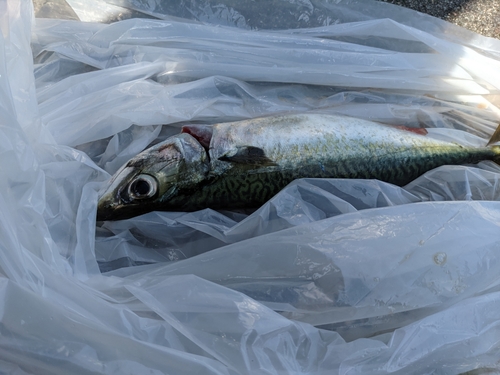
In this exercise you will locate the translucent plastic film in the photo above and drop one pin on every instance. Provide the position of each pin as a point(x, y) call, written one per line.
point(330, 276)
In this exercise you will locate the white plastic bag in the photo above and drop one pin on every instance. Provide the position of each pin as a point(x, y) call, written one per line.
point(330, 276)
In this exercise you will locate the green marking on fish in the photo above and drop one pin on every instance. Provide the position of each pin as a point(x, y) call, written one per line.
point(243, 164)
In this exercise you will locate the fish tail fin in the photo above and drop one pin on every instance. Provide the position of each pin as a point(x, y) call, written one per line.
point(495, 137)
point(496, 151)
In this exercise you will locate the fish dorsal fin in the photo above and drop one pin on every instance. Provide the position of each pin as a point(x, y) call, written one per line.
point(495, 137)
point(249, 155)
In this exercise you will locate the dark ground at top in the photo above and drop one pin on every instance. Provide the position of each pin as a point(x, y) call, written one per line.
point(481, 16)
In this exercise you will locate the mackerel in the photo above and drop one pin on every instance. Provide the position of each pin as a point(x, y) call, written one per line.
point(243, 164)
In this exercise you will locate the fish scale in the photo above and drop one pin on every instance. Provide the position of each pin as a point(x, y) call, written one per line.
point(243, 164)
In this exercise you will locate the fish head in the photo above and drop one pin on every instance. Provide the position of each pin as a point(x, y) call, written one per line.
point(151, 179)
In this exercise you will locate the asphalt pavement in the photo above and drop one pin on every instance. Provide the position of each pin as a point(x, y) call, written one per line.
point(480, 16)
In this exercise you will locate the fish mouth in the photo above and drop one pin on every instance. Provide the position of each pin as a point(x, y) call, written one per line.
point(110, 206)
point(112, 211)
point(107, 208)
point(104, 212)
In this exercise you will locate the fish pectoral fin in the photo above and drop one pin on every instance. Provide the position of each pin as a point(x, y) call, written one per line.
point(250, 155)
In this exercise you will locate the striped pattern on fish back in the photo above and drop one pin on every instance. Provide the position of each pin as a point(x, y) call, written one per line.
point(243, 188)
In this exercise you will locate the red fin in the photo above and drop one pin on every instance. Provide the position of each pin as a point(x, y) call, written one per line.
point(202, 133)
point(421, 131)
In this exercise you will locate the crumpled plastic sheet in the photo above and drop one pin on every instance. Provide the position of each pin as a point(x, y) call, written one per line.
point(330, 276)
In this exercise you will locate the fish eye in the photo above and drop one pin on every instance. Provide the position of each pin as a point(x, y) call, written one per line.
point(142, 187)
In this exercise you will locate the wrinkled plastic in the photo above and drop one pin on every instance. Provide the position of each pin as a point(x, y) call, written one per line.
point(329, 276)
